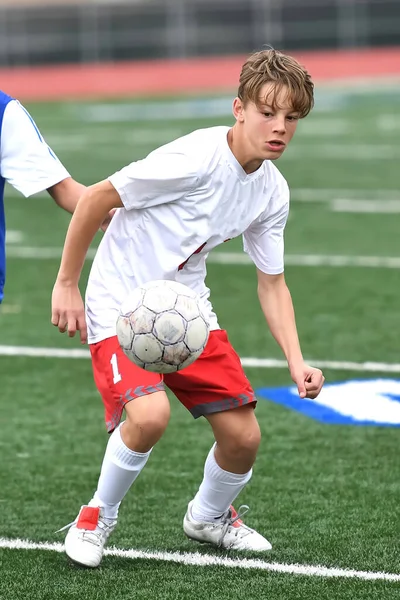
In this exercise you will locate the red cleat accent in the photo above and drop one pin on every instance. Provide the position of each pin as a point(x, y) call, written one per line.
point(88, 518)
point(238, 522)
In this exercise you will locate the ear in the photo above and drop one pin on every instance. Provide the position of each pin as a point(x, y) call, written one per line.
point(238, 110)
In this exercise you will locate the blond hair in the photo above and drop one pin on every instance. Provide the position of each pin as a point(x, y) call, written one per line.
point(271, 66)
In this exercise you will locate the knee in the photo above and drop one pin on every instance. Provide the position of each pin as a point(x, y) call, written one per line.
point(143, 429)
point(149, 424)
point(243, 443)
point(249, 440)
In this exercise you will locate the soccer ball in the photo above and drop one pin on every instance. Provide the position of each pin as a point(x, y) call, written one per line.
point(161, 326)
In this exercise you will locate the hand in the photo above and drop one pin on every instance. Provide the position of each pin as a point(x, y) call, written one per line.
point(68, 312)
point(309, 380)
point(107, 220)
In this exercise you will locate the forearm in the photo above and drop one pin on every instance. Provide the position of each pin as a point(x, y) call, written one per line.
point(277, 306)
point(90, 212)
point(66, 193)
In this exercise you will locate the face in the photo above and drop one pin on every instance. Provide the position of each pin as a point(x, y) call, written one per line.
point(263, 132)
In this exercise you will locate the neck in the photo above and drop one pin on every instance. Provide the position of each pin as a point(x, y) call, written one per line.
point(241, 151)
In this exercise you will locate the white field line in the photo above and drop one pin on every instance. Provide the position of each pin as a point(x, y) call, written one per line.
point(313, 260)
point(347, 205)
point(14, 236)
point(203, 560)
point(36, 352)
point(348, 152)
point(334, 365)
point(134, 137)
point(390, 123)
point(366, 85)
point(235, 258)
point(331, 194)
point(329, 97)
point(322, 127)
point(261, 363)
point(40, 253)
point(296, 194)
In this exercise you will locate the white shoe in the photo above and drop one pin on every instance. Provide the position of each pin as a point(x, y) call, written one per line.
point(87, 536)
point(230, 533)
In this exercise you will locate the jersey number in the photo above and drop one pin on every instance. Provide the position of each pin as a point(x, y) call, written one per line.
point(114, 365)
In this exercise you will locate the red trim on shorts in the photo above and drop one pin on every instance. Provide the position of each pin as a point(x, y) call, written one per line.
point(131, 381)
point(215, 382)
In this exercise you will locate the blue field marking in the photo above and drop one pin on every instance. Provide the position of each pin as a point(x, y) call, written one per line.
point(354, 402)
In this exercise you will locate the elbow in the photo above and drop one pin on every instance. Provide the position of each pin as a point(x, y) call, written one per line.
point(269, 283)
point(66, 193)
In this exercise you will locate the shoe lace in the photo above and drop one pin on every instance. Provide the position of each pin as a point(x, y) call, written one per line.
point(66, 526)
point(103, 524)
point(229, 520)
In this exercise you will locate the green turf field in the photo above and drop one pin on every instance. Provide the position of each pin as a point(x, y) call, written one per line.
point(323, 494)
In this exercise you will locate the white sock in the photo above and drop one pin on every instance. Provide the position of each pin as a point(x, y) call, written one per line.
point(217, 491)
point(119, 470)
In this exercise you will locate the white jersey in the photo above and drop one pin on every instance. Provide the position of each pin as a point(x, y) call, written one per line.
point(180, 202)
point(26, 161)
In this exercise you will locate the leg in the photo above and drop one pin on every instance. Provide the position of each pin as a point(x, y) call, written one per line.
point(146, 420)
point(210, 516)
point(237, 436)
point(229, 463)
point(121, 385)
point(216, 387)
point(129, 448)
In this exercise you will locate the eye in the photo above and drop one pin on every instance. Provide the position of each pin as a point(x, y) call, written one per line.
point(292, 118)
point(267, 114)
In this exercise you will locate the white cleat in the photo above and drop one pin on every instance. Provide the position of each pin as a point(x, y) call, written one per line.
point(87, 536)
point(230, 533)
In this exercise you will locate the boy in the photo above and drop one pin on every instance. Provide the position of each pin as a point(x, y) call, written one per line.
point(29, 165)
point(177, 204)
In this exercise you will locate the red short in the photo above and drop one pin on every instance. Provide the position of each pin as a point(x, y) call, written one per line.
point(213, 383)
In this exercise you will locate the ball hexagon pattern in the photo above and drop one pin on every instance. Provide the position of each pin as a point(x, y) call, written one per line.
point(162, 327)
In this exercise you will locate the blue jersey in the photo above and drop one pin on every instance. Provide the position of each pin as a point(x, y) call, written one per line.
point(26, 162)
point(4, 100)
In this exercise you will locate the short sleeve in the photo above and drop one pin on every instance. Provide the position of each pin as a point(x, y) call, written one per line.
point(165, 175)
point(26, 161)
point(264, 239)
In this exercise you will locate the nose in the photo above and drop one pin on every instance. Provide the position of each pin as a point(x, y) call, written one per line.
point(279, 125)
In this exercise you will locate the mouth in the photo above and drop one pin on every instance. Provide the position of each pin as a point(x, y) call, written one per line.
point(276, 145)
